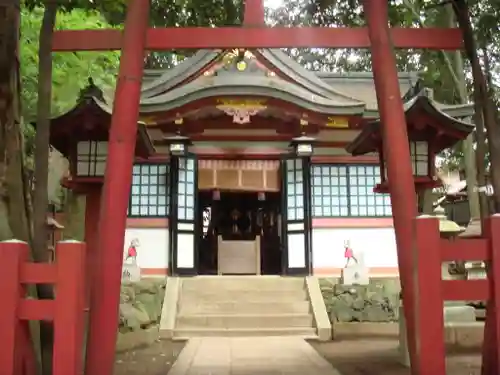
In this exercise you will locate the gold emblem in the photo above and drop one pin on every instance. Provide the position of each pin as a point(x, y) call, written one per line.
point(337, 122)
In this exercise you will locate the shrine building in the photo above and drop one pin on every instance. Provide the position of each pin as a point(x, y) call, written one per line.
point(247, 163)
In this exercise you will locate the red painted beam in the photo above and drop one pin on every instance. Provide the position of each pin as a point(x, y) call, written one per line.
point(464, 249)
point(38, 273)
point(258, 37)
point(36, 309)
point(466, 290)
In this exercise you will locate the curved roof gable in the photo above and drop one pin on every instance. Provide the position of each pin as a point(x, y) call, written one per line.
point(268, 73)
point(253, 85)
point(175, 76)
point(300, 75)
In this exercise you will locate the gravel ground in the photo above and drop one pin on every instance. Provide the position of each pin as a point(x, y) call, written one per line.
point(376, 357)
point(155, 359)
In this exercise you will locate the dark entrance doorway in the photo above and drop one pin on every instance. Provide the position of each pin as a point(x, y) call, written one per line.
point(240, 216)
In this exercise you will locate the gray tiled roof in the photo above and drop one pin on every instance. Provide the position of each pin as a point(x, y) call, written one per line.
point(329, 93)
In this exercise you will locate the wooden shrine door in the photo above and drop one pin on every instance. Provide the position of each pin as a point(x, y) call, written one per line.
point(296, 216)
point(183, 226)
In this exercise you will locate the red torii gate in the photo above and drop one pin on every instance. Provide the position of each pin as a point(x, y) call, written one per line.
point(137, 37)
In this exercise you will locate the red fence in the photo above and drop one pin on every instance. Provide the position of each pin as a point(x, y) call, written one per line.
point(66, 310)
point(431, 291)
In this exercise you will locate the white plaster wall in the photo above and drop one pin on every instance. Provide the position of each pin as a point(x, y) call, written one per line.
point(377, 246)
point(152, 251)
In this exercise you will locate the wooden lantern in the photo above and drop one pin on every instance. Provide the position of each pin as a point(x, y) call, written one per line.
point(430, 131)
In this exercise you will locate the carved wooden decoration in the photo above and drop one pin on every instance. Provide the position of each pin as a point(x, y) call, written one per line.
point(239, 175)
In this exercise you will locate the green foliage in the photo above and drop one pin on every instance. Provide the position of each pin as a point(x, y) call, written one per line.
point(70, 5)
point(434, 66)
point(183, 13)
point(70, 70)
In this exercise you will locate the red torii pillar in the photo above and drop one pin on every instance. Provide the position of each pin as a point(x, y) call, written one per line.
point(397, 153)
point(105, 293)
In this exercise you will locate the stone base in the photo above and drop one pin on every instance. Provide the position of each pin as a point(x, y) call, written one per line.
point(455, 314)
point(131, 273)
point(355, 275)
point(452, 315)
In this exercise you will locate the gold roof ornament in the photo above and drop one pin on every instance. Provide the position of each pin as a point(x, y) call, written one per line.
point(241, 110)
point(303, 121)
point(148, 120)
point(337, 122)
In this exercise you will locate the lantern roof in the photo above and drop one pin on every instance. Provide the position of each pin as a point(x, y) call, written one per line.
point(426, 120)
point(90, 118)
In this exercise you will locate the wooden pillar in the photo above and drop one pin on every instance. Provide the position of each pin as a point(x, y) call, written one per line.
point(254, 13)
point(429, 315)
point(92, 210)
point(397, 154)
point(491, 341)
point(12, 253)
point(105, 296)
point(69, 306)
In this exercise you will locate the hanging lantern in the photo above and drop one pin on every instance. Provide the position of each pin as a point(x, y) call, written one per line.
point(303, 145)
point(178, 144)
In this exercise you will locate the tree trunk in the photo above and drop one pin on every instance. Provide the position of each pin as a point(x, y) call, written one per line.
point(483, 103)
point(42, 139)
point(14, 206)
point(477, 205)
point(15, 209)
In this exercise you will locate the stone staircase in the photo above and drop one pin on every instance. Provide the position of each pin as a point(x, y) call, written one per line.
point(243, 306)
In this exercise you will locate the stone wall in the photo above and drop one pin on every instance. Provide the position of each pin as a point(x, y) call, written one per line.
point(140, 304)
point(376, 302)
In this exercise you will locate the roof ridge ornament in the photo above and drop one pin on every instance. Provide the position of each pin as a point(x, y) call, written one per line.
point(91, 91)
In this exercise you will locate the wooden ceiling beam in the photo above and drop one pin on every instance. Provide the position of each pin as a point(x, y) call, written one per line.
point(189, 126)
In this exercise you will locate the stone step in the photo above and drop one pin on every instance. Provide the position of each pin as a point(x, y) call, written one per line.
point(248, 307)
point(250, 321)
point(244, 295)
point(243, 282)
point(306, 333)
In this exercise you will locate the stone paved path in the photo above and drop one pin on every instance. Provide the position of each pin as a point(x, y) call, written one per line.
point(250, 355)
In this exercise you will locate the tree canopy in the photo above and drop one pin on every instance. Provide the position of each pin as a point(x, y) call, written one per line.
point(70, 70)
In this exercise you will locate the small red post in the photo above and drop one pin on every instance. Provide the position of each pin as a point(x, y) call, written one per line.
point(105, 295)
point(491, 340)
point(429, 319)
point(397, 154)
point(69, 308)
point(12, 254)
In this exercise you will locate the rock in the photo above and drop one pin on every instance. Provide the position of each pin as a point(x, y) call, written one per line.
point(133, 317)
point(140, 304)
point(361, 303)
point(341, 312)
point(151, 303)
point(358, 303)
point(376, 314)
